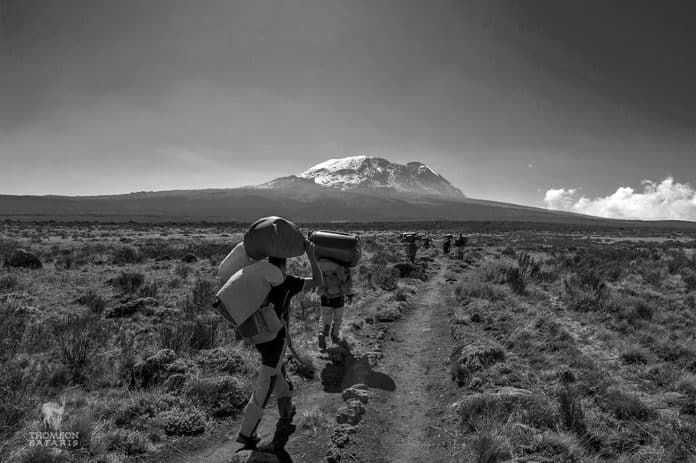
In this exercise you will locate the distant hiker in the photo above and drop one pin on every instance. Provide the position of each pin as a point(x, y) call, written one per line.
point(426, 242)
point(337, 288)
point(255, 299)
point(447, 244)
point(460, 243)
point(412, 250)
point(272, 374)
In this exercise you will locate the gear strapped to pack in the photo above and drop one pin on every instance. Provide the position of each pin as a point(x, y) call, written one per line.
point(337, 279)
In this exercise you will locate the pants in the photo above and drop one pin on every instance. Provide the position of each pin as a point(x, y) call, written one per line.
point(329, 315)
point(272, 377)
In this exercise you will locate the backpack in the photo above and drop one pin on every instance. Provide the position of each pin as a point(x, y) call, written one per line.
point(337, 278)
point(243, 300)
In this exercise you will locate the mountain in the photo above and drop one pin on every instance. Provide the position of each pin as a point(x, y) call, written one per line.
point(353, 189)
point(364, 173)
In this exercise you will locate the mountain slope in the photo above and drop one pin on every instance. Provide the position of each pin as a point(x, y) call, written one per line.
point(355, 190)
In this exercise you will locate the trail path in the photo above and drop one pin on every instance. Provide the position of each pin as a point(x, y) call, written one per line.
point(408, 424)
point(404, 424)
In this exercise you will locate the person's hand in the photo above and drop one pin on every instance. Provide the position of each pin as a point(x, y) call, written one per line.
point(309, 248)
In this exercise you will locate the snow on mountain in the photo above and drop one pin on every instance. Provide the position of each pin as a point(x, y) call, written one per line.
point(371, 172)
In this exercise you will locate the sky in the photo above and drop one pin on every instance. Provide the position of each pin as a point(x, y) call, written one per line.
point(549, 103)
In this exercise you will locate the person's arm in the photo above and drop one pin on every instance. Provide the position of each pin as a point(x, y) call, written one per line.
point(317, 280)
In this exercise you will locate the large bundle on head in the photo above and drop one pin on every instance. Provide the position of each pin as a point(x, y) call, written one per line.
point(340, 247)
point(236, 260)
point(409, 237)
point(273, 237)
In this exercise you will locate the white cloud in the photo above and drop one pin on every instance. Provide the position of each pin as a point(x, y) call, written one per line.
point(666, 200)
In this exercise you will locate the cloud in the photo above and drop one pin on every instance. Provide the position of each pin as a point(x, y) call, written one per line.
point(666, 200)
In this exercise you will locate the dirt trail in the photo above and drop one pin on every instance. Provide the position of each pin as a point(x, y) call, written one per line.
point(407, 424)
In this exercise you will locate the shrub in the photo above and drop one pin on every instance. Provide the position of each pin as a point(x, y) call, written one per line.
point(478, 289)
point(130, 442)
point(634, 356)
point(83, 426)
point(508, 251)
point(142, 408)
point(8, 283)
point(129, 282)
point(200, 297)
point(78, 338)
point(126, 255)
point(312, 418)
point(518, 277)
point(572, 416)
point(687, 384)
point(220, 395)
point(626, 406)
point(644, 310)
point(584, 295)
point(182, 422)
point(689, 278)
point(39, 454)
point(489, 446)
point(93, 300)
point(16, 390)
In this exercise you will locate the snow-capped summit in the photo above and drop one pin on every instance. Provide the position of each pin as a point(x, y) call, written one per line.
point(371, 172)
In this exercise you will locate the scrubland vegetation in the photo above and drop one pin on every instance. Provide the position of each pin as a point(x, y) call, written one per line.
point(563, 347)
point(576, 350)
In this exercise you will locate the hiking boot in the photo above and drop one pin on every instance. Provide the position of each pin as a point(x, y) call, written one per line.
point(249, 443)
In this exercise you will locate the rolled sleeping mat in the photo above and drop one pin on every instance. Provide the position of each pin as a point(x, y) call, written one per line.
point(344, 248)
point(236, 260)
point(273, 237)
point(246, 290)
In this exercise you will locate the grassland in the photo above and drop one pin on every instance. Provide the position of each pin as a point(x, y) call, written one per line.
point(563, 345)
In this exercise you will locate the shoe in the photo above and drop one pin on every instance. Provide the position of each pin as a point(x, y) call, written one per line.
point(249, 443)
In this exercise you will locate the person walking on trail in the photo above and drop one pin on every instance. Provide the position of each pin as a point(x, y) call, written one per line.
point(447, 244)
point(272, 373)
point(460, 243)
point(412, 250)
point(336, 289)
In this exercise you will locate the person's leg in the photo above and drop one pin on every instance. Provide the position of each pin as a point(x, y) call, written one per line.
point(257, 403)
point(337, 321)
point(286, 408)
point(326, 313)
point(271, 356)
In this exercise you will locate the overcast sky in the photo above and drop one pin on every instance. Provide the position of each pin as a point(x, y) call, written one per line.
point(509, 100)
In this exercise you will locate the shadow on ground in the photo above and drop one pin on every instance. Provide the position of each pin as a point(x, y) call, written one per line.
point(346, 370)
point(261, 456)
